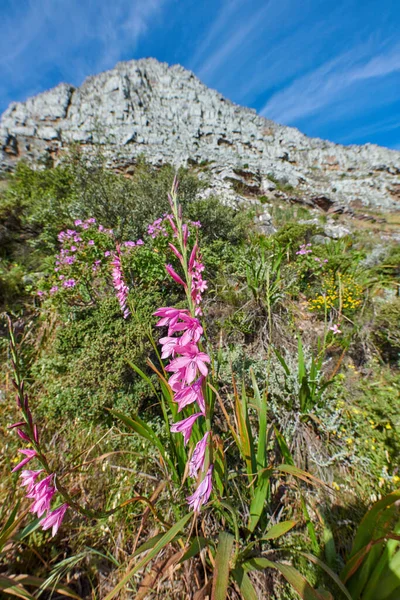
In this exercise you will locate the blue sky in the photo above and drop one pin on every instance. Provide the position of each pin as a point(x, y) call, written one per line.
point(332, 69)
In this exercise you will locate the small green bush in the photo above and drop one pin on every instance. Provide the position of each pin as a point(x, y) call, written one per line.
point(86, 371)
point(386, 331)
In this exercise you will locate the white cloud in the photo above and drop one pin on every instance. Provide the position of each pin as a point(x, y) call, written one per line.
point(322, 87)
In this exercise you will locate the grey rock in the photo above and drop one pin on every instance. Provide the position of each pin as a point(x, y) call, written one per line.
point(167, 114)
point(319, 239)
point(336, 232)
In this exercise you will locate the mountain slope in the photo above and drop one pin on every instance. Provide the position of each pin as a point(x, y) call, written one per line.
point(167, 114)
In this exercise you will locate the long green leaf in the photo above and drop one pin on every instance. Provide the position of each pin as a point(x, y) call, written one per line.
point(195, 547)
point(257, 504)
point(222, 566)
point(9, 586)
point(367, 527)
point(164, 541)
point(329, 571)
point(278, 530)
point(292, 576)
point(243, 581)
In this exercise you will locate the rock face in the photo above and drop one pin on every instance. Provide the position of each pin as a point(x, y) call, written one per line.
point(168, 115)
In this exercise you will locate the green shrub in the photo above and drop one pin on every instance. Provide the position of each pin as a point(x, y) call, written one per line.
point(86, 371)
point(386, 331)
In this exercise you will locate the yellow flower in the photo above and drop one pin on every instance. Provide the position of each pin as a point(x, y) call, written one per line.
point(373, 447)
point(388, 426)
point(350, 441)
point(371, 421)
point(396, 479)
point(335, 486)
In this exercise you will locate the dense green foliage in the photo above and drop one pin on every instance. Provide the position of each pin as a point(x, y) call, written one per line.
point(292, 389)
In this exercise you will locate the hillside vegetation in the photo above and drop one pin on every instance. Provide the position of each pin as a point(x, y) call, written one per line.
point(294, 339)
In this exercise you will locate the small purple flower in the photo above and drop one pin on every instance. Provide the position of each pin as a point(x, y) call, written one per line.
point(77, 222)
point(139, 243)
point(40, 293)
point(73, 249)
point(91, 221)
point(129, 244)
point(91, 243)
point(107, 253)
point(69, 283)
point(54, 289)
point(335, 329)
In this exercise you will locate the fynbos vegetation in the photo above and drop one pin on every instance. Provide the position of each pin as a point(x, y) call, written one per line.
point(191, 408)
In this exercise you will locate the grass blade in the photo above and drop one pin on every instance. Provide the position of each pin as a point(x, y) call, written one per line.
point(222, 567)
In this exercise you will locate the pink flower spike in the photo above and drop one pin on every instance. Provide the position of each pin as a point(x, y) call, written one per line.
point(176, 252)
point(29, 455)
point(203, 492)
point(197, 461)
point(185, 426)
point(174, 275)
point(54, 519)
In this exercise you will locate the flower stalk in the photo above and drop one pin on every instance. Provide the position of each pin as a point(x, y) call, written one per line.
point(188, 364)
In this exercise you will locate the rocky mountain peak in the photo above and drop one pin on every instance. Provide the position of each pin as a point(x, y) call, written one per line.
point(144, 107)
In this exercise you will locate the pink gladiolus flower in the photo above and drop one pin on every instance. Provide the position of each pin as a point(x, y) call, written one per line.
point(171, 346)
point(188, 395)
point(42, 493)
point(29, 478)
point(54, 519)
point(175, 381)
point(170, 316)
point(175, 275)
point(185, 426)
point(203, 492)
point(29, 455)
point(197, 461)
point(192, 361)
point(40, 487)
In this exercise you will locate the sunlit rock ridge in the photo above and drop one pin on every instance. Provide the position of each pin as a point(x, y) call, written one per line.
point(144, 107)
